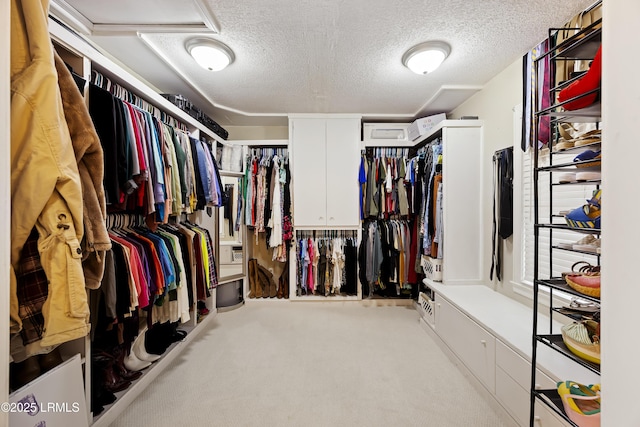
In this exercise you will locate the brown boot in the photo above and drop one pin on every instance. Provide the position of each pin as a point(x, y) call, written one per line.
point(256, 279)
point(285, 282)
point(252, 280)
point(269, 285)
point(280, 293)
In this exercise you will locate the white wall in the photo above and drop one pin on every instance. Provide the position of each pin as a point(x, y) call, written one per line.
point(494, 104)
point(620, 233)
point(5, 208)
point(257, 132)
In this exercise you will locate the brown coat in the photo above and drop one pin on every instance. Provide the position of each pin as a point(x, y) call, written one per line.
point(89, 155)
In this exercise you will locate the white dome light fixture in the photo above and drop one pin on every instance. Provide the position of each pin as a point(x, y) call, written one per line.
point(210, 54)
point(425, 57)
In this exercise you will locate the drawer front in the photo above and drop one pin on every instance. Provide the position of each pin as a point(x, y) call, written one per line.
point(519, 368)
point(515, 400)
point(472, 344)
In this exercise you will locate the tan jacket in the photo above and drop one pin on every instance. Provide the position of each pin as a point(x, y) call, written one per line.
point(45, 184)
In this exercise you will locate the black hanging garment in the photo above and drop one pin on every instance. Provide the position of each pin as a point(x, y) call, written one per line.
point(502, 206)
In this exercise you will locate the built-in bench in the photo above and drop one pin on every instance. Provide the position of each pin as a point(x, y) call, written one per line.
point(489, 337)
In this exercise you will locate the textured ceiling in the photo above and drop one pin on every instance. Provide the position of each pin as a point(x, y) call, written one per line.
point(333, 56)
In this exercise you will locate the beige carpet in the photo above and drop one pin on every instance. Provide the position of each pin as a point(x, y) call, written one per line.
point(277, 363)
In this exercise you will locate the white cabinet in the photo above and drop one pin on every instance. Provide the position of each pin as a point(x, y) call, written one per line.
point(325, 161)
point(469, 341)
point(462, 199)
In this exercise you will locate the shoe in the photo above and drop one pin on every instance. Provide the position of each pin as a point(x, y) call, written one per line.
point(583, 339)
point(585, 284)
point(139, 348)
point(581, 403)
point(588, 176)
point(586, 240)
point(563, 144)
point(587, 216)
point(252, 282)
point(133, 363)
point(588, 82)
point(581, 159)
point(593, 246)
point(565, 178)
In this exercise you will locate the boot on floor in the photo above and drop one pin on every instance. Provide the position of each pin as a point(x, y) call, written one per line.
point(256, 279)
point(252, 280)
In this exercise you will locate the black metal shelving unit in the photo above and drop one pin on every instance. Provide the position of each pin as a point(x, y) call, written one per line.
point(581, 46)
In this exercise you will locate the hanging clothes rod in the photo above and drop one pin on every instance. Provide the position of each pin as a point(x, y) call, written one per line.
point(127, 95)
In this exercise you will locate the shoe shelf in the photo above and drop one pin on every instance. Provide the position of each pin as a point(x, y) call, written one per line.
point(571, 167)
point(555, 342)
point(576, 251)
point(574, 315)
point(566, 227)
point(552, 399)
point(561, 285)
point(586, 182)
point(579, 148)
point(583, 45)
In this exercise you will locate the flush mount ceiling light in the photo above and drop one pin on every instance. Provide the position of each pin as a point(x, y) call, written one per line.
point(210, 54)
point(426, 57)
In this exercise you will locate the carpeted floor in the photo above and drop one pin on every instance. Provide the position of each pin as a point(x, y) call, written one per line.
point(311, 364)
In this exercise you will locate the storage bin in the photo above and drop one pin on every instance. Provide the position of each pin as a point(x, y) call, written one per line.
point(428, 308)
point(432, 268)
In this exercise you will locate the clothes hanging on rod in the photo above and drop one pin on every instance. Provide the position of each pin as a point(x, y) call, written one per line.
point(151, 167)
point(267, 199)
point(385, 188)
point(387, 258)
point(326, 262)
point(502, 206)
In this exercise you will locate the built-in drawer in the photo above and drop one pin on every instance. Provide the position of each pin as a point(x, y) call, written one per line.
point(519, 368)
point(515, 400)
point(469, 341)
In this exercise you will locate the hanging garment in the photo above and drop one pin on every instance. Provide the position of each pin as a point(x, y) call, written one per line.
point(46, 189)
point(502, 206)
point(88, 153)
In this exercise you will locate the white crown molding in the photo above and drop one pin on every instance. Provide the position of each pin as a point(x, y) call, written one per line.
point(134, 29)
point(207, 15)
point(80, 23)
point(70, 16)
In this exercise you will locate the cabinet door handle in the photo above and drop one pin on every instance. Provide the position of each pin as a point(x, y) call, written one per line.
point(437, 304)
point(320, 217)
point(538, 387)
point(331, 218)
point(537, 419)
point(483, 342)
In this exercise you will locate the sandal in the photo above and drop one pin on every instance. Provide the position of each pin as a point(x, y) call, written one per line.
point(581, 403)
point(596, 156)
point(583, 339)
point(587, 216)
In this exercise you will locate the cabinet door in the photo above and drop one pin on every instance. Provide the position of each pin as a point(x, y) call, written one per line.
point(343, 161)
point(474, 346)
point(309, 172)
point(463, 206)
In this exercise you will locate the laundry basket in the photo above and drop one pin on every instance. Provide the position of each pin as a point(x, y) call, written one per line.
point(432, 268)
point(428, 308)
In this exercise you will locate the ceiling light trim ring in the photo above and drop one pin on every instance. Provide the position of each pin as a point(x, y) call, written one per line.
point(437, 46)
point(193, 43)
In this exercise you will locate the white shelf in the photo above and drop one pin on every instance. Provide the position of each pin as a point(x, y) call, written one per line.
point(491, 309)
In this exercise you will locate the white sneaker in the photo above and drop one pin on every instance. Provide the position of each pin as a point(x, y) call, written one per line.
point(592, 246)
point(586, 240)
point(588, 176)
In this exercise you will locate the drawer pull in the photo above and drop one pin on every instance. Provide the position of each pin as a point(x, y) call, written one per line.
point(537, 419)
point(483, 342)
point(538, 387)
